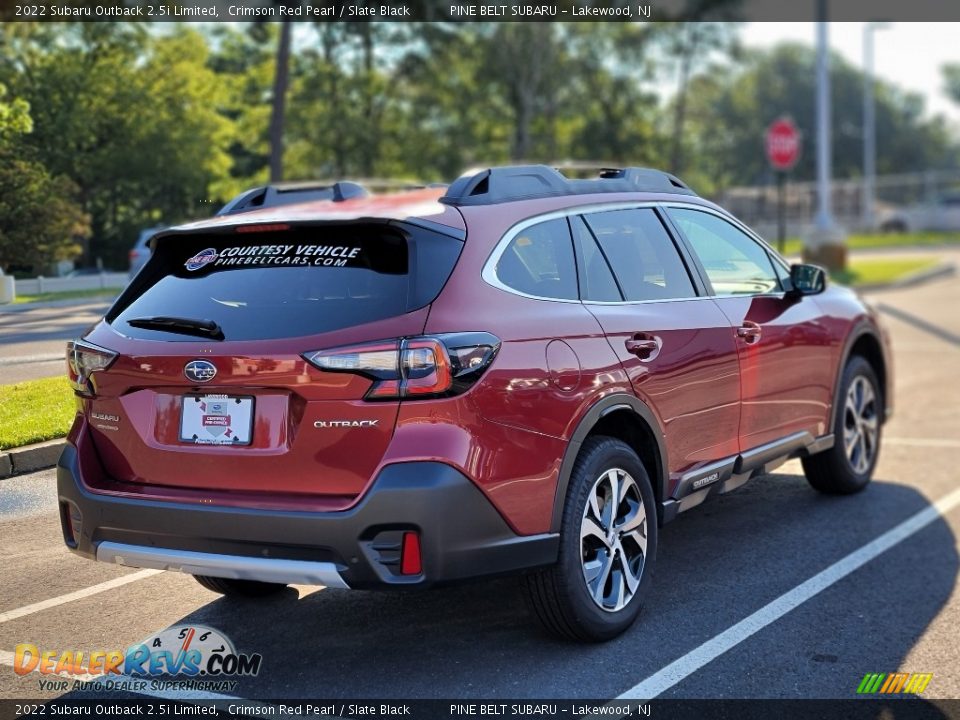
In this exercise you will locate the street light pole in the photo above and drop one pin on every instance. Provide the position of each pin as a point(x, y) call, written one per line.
point(826, 244)
point(824, 218)
point(869, 126)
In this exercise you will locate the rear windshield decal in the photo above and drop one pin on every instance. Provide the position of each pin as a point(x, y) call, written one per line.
point(275, 255)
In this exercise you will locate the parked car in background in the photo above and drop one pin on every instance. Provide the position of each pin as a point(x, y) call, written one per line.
point(520, 373)
point(942, 214)
point(140, 252)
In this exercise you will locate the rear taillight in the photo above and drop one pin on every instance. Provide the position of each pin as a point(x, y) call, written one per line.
point(420, 367)
point(134, 254)
point(84, 359)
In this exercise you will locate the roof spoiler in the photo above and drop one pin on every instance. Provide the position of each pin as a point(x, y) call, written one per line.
point(275, 195)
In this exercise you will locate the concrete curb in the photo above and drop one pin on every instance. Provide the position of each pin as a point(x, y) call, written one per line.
point(942, 270)
point(30, 458)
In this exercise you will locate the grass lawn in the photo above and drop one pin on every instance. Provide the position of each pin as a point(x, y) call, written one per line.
point(867, 271)
point(34, 411)
point(794, 246)
point(68, 295)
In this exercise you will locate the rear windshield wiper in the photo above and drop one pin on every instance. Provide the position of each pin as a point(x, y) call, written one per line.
point(184, 326)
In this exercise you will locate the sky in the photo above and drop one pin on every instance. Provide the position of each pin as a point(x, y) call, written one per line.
point(908, 54)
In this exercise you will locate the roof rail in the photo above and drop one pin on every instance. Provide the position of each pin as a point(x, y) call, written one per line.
point(267, 196)
point(524, 182)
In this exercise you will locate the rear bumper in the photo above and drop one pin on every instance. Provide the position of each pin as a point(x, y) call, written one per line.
point(462, 536)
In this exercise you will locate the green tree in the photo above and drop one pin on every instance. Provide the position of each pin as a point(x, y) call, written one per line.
point(951, 77)
point(39, 222)
point(14, 116)
point(689, 47)
point(730, 109)
point(131, 117)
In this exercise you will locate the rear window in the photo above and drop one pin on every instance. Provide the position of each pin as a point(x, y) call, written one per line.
point(305, 281)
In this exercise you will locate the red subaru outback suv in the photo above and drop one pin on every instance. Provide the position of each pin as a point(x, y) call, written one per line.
point(518, 373)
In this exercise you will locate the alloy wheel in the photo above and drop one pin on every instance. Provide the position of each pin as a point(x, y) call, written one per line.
point(860, 424)
point(613, 540)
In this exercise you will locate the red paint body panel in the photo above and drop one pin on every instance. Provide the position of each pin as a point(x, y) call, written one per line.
point(788, 375)
point(692, 384)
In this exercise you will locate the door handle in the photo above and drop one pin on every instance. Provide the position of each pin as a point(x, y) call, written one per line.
point(749, 331)
point(643, 346)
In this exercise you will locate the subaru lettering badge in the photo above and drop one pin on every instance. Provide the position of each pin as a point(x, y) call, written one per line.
point(200, 370)
point(200, 259)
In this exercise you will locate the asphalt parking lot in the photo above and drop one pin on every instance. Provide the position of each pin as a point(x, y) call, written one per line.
point(32, 338)
point(894, 607)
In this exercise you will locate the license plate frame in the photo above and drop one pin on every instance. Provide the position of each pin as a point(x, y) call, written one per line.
point(218, 419)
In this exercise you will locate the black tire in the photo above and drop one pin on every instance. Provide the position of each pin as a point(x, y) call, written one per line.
point(559, 595)
point(833, 471)
point(239, 588)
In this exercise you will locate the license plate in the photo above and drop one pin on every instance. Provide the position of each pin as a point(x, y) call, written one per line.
point(216, 420)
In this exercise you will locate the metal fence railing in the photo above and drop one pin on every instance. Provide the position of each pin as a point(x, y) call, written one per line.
point(101, 281)
point(757, 206)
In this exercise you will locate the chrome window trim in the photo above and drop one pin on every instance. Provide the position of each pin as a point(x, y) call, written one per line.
point(489, 272)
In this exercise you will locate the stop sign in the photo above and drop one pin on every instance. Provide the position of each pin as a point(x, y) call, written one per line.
point(783, 144)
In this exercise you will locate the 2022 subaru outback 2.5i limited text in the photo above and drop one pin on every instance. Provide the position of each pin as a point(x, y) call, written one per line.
point(518, 373)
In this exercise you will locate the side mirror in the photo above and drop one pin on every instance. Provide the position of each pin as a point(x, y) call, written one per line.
point(807, 280)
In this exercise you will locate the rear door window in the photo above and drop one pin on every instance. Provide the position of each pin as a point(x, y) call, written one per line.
point(597, 283)
point(288, 283)
point(644, 259)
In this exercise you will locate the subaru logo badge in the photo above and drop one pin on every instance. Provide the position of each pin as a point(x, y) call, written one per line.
point(200, 371)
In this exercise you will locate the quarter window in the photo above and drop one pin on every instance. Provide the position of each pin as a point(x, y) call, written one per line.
point(643, 257)
point(539, 261)
point(735, 263)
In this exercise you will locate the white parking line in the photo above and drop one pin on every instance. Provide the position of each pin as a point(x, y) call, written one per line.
point(667, 677)
point(79, 594)
point(923, 442)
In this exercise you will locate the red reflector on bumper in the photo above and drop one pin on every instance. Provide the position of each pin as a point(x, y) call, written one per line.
point(410, 555)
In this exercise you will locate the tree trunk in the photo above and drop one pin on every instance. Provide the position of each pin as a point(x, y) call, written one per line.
point(280, 78)
point(680, 113)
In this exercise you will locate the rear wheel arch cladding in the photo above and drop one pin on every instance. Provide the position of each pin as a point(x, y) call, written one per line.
point(627, 418)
